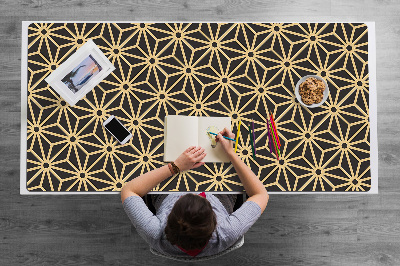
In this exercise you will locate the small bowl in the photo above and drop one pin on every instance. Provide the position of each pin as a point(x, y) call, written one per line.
point(326, 91)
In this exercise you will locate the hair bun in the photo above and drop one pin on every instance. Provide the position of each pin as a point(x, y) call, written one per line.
point(183, 225)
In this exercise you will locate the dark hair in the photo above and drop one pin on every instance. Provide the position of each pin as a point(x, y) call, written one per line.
point(191, 222)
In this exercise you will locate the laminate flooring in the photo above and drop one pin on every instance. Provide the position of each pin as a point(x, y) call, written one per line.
point(294, 229)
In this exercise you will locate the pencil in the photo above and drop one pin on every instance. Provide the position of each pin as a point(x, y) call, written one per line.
point(254, 137)
point(274, 135)
point(269, 137)
point(237, 136)
point(222, 136)
point(251, 140)
point(276, 131)
point(275, 145)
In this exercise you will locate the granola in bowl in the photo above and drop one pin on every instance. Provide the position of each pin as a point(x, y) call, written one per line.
point(311, 91)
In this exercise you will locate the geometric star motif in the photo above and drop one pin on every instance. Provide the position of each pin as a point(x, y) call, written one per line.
point(241, 70)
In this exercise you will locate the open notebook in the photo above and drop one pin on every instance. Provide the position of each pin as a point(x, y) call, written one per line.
point(181, 132)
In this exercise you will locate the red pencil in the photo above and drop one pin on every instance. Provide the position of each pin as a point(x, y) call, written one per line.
point(276, 131)
point(274, 143)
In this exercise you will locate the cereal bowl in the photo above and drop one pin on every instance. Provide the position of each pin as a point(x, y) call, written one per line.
point(324, 97)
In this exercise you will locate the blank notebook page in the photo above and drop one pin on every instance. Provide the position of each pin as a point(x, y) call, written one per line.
point(180, 133)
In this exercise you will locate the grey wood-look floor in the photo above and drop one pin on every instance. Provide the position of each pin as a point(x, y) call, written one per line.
point(294, 230)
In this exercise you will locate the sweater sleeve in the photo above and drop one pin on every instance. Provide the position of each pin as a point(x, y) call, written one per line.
point(146, 223)
point(239, 222)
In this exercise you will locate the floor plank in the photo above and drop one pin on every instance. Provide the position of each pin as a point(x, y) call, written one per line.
point(300, 230)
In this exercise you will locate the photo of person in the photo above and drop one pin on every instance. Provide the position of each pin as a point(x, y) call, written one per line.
point(81, 74)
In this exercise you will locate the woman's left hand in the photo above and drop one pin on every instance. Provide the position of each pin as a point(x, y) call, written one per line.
point(191, 158)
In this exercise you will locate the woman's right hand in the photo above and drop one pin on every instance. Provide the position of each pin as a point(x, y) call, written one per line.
point(226, 143)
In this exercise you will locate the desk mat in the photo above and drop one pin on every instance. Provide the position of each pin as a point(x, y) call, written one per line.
point(239, 70)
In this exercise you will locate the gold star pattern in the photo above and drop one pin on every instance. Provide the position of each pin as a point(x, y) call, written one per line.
point(241, 70)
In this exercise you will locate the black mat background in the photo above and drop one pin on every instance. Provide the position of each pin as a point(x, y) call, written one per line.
point(218, 69)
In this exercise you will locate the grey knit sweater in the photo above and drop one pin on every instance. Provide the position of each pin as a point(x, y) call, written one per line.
point(229, 227)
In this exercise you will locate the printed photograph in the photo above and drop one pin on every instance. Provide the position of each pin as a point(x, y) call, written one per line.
point(81, 74)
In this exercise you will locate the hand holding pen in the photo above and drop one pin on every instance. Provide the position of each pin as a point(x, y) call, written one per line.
point(225, 137)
